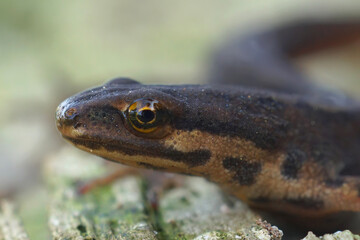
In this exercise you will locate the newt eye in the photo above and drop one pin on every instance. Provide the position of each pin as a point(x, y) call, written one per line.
point(146, 116)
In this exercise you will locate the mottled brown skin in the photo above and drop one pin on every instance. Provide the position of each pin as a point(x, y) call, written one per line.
point(284, 152)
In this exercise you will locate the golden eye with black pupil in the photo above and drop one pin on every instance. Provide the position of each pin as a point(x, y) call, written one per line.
point(147, 116)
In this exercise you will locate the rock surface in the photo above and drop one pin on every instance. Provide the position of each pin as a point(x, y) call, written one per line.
point(10, 225)
point(196, 210)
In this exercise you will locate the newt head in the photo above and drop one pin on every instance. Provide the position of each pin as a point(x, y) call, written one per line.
point(123, 121)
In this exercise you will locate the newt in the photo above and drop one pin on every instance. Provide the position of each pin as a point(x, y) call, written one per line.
point(269, 137)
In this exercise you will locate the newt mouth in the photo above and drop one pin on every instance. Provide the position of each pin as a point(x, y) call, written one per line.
point(191, 159)
point(96, 144)
point(84, 142)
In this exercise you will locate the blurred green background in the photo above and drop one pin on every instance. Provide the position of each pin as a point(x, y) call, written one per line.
point(53, 49)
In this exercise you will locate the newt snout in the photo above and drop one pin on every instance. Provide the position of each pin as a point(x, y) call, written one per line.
point(65, 115)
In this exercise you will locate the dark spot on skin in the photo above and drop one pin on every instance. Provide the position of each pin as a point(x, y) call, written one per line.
point(358, 189)
point(292, 164)
point(245, 172)
point(307, 203)
point(192, 159)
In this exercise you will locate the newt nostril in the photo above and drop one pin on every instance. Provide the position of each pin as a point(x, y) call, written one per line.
point(71, 113)
point(65, 116)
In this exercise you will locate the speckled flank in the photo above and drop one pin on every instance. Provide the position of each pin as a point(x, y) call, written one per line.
point(222, 148)
point(244, 171)
point(257, 174)
point(293, 163)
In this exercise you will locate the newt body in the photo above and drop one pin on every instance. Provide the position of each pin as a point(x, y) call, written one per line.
point(279, 151)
